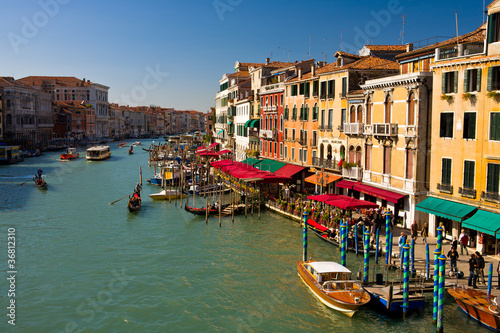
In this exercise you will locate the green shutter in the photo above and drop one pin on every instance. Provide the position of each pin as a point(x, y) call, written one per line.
point(446, 171)
point(493, 178)
point(466, 80)
point(490, 79)
point(469, 174)
point(443, 83)
point(492, 22)
point(478, 82)
point(494, 126)
point(472, 125)
point(455, 82)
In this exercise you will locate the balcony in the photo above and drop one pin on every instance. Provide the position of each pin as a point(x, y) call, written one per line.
point(326, 163)
point(269, 134)
point(385, 129)
point(459, 50)
point(445, 188)
point(353, 128)
point(467, 192)
point(489, 196)
point(353, 173)
point(273, 87)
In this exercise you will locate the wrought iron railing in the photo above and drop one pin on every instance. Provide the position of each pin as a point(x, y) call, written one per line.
point(445, 188)
point(467, 192)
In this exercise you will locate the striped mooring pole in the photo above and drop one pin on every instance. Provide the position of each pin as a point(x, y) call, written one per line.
point(387, 232)
point(406, 279)
point(343, 247)
point(436, 282)
point(490, 278)
point(304, 239)
point(427, 263)
point(439, 244)
point(390, 247)
point(442, 274)
point(367, 256)
point(356, 245)
point(377, 240)
point(412, 256)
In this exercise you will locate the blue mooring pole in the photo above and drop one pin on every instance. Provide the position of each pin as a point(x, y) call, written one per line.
point(439, 244)
point(377, 240)
point(304, 239)
point(387, 241)
point(406, 279)
point(356, 246)
point(436, 282)
point(366, 237)
point(343, 246)
point(442, 273)
point(490, 278)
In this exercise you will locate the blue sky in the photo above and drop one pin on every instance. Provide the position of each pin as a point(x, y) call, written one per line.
point(173, 53)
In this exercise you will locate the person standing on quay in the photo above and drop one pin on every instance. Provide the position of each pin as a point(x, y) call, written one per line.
point(472, 268)
point(480, 267)
point(425, 232)
point(401, 242)
point(463, 239)
point(453, 255)
point(414, 231)
point(455, 243)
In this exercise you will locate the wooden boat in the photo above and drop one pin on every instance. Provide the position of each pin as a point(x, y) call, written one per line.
point(70, 154)
point(201, 211)
point(169, 195)
point(134, 206)
point(98, 153)
point(130, 151)
point(123, 144)
point(10, 155)
point(476, 305)
point(331, 283)
point(137, 143)
point(40, 183)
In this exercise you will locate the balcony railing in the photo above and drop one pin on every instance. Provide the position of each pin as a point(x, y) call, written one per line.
point(353, 173)
point(326, 163)
point(353, 128)
point(460, 50)
point(489, 196)
point(269, 134)
point(467, 192)
point(445, 188)
point(385, 129)
point(274, 86)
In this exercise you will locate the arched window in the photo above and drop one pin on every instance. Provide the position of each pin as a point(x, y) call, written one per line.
point(351, 155)
point(388, 108)
point(275, 122)
point(411, 109)
point(358, 155)
point(8, 103)
point(281, 123)
point(315, 111)
point(368, 119)
point(321, 151)
point(294, 112)
point(360, 114)
point(286, 112)
point(306, 113)
point(8, 119)
point(302, 117)
point(352, 115)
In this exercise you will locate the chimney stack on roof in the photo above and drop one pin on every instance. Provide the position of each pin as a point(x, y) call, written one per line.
point(300, 73)
point(313, 69)
point(409, 47)
point(268, 60)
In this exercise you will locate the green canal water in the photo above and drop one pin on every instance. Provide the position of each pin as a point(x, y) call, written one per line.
point(86, 266)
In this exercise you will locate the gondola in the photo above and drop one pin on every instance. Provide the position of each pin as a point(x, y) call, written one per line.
point(134, 206)
point(130, 151)
point(41, 184)
point(202, 211)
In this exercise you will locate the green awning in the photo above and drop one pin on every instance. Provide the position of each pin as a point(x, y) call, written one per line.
point(255, 123)
point(247, 124)
point(269, 165)
point(229, 122)
point(251, 161)
point(220, 132)
point(444, 208)
point(484, 221)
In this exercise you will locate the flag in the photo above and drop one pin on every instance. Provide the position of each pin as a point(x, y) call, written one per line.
point(341, 162)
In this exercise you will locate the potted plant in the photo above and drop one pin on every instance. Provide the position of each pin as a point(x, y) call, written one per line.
point(494, 94)
point(446, 97)
point(466, 96)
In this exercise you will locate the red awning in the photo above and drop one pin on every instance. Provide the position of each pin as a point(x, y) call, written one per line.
point(215, 144)
point(224, 151)
point(378, 192)
point(346, 184)
point(316, 225)
point(207, 153)
point(325, 197)
point(352, 203)
point(289, 170)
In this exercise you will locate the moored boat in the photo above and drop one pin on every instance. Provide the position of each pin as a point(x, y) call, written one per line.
point(70, 154)
point(137, 143)
point(167, 195)
point(476, 305)
point(331, 283)
point(10, 155)
point(98, 153)
point(203, 210)
point(123, 144)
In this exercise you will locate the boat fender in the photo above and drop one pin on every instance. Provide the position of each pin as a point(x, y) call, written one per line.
point(356, 299)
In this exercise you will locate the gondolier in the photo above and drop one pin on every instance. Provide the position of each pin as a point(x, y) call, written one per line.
point(138, 189)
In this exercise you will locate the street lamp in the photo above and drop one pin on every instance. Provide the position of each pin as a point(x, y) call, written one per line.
point(322, 178)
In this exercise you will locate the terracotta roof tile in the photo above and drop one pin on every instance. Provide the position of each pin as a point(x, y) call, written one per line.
point(345, 54)
point(386, 48)
point(327, 68)
point(477, 35)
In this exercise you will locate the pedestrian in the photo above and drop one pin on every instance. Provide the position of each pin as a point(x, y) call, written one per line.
point(425, 232)
point(455, 243)
point(414, 231)
point(453, 255)
point(463, 239)
point(480, 267)
point(472, 269)
point(401, 242)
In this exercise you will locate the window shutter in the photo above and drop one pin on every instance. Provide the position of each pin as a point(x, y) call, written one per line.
point(443, 83)
point(472, 125)
point(493, 133)
point(455, 82)
point(490, 79)
point(493, 175)
point(466, 80)
point(491, 27)
point(478, 82)
point(442, 126)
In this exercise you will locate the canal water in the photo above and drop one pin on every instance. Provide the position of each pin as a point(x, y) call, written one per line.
point(84, 265)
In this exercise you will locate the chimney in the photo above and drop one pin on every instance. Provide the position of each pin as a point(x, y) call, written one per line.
point(300, 73)
point(313, 69)
point(268, 60)
point(83, 80)
point(409, 47)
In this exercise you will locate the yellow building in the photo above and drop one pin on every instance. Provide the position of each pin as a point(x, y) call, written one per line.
point(465, 146)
